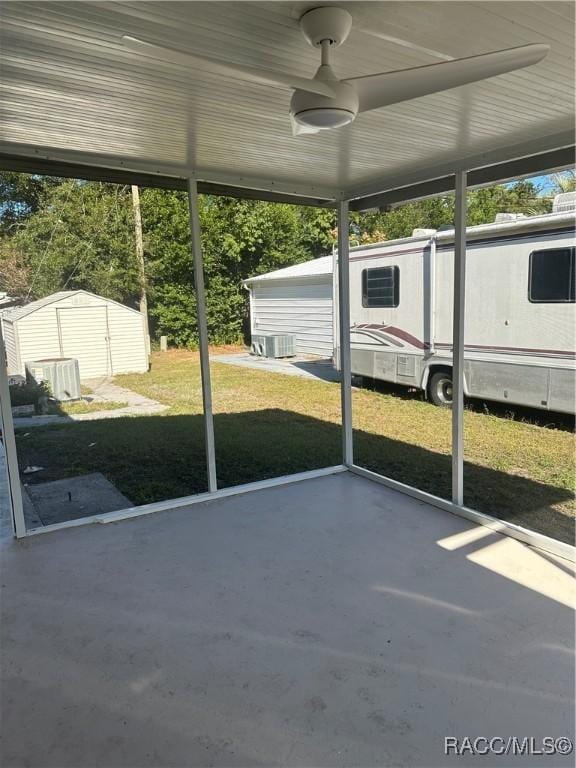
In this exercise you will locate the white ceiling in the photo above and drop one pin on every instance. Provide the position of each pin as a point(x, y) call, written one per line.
point(70, 90)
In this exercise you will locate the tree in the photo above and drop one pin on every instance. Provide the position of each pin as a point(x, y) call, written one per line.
point(14, 275)
point(240, 238)
point(82, 237)
point(563, 182)
point(70, 234)
point(21, 195)
point(483, 205)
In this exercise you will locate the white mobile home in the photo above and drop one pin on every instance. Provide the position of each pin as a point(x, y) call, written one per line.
point(105, 337)
point(520, 312)
point(296, 300)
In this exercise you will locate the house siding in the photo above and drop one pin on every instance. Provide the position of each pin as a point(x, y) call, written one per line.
point(301, 307)
point(9, 335)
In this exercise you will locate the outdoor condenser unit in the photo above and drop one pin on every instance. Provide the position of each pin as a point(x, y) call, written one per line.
point(273, 346)
point(60, 374)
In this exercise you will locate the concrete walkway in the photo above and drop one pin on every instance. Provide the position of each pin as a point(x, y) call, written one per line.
point(102, 391)
point(320, 369)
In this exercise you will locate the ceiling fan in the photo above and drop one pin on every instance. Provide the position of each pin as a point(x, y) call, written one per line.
point(324, 101)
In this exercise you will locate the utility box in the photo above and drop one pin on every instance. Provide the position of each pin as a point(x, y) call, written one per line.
point(60, 374)
point(273, 346)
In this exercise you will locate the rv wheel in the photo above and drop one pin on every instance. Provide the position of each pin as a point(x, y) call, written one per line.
point(440, 388)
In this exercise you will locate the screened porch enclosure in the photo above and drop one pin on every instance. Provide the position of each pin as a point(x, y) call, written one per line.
point(333, 617)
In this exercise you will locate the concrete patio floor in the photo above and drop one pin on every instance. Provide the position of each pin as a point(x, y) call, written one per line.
point(331, 622)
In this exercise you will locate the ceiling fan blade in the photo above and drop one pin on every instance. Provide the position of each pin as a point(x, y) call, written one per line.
point(301, 130)
point(227, 68)
point(380, 90)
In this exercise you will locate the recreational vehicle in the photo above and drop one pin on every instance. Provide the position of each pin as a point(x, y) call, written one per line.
point(520, 322)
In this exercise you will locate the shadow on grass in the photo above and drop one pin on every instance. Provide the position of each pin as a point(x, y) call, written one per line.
point(551, 419)
point(153, 458)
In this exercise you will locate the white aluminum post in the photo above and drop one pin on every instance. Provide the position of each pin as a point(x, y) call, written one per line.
point(202, 333)
point(458, 341)
point(14, 487)
point(344, 322)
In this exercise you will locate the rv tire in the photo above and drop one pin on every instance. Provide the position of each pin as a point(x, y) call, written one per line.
point(440, 388)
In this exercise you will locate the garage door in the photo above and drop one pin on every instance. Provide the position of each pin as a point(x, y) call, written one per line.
point(84, 335)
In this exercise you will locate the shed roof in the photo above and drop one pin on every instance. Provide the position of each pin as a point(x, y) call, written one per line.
point(33, 306)
point(312, 268)
point(71, 91)
point(27, 309)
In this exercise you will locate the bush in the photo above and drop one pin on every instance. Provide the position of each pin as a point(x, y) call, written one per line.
point(28, 394)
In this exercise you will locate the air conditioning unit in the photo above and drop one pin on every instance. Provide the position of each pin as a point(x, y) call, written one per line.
point(60, 374)
point(273, 346)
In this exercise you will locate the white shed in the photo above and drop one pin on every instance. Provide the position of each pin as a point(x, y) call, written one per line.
point(296, 300)
point(104, 336)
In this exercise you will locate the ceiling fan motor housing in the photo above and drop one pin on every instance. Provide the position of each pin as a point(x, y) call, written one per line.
point(326, 23)
point(322, 112)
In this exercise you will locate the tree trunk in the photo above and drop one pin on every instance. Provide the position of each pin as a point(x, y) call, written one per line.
point(140, 260)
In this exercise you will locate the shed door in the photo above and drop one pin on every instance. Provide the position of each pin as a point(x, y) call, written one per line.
point(84, 335)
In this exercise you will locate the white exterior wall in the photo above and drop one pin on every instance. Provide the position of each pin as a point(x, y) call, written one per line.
point(107, 338)
point(300, 306)
point(9, 335)
point(128, 343)
point(37, 336)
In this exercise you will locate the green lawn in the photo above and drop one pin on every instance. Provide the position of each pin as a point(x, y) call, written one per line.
point(76, 407)
point(270, 424)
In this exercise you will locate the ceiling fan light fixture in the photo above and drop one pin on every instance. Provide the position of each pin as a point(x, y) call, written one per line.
point(325, 117)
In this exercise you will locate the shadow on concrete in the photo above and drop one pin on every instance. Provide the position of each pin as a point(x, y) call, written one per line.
point(308, 368)
point(156, 458)
point(320, 369)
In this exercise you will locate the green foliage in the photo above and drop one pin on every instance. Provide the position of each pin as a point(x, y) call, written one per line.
point(401, 221)
point(521, 197)
point(21, 194)
point(240, 238)
point(29, 393)
point(565, 181)
point(68, 234)
point(14, 274)
point(81, 238)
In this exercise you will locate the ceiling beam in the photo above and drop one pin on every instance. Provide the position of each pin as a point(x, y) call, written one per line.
point(546, 162)
point(49, 167)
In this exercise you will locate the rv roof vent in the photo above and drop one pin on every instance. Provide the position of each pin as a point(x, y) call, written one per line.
point(421, 232)
point(501, 217)
point(564, 203)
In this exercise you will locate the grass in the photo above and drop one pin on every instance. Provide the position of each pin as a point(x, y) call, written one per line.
point(82, 406)
point(270, 424)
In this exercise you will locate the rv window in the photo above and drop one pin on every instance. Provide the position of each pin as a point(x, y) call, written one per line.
point(551, 277)
point(381, 287)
